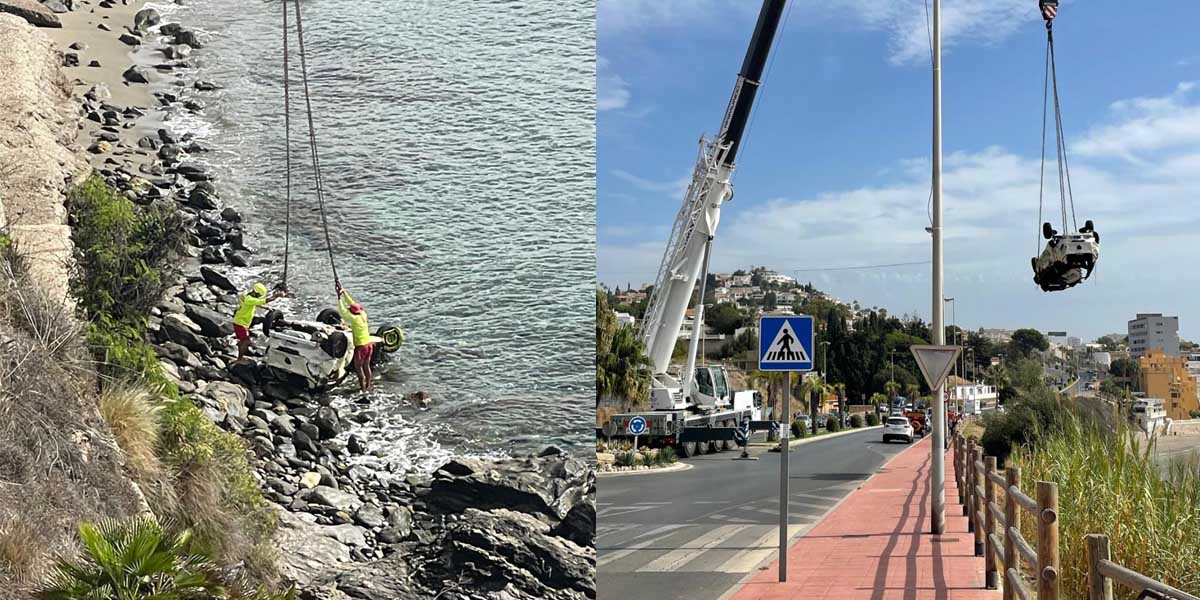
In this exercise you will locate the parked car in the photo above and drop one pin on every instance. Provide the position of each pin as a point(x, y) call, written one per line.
point(898, 428)
point(803, 418)
point(821, 421)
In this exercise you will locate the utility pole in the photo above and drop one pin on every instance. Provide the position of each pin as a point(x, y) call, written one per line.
point(938, 513)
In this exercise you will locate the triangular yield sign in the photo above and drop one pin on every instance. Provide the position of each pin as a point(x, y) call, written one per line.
point(786, 347)
point(935, 362)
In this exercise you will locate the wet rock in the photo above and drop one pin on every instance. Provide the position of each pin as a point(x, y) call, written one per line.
point(548, 487)
point(328, 423)
point(170, 29)
point(369, 516)
point(94, 63)
point(232, 215)
point(149, 142)
point(237, 259)
point(100, 147)
point(70, 59)
point(167, 137)
point(206, 86)
point(176, 330)
point(579, 525)
point(244, 370)
point(193, 172)
point(193, 105)
point(198, 294)
point(135, 75)
point(103, 27)
point(98, 93)
point(31, 11)
point(108, 136)
point(145, 19)
point(214, 277)
point(178, 354)
point(304, 443)
point(169, 153)
point(188, 38)
point(77, 45)
point(176, 52)
point(355, 445)
point(130, 40)
point(212, 256)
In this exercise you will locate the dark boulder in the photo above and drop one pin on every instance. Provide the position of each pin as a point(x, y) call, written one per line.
point(135, 75)
point(31, 11)
point(211, 322)
point(188, 38)
point(145, 19)
point(214, 277)
point(130, 40)
point(328, 423)
point(170, 29)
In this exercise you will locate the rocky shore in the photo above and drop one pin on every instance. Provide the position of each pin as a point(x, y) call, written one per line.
point(517, 528)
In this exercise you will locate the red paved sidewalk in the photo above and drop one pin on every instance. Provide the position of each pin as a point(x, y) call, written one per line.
point(876, 544)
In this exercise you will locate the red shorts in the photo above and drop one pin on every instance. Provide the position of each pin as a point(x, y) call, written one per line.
point(242, 333)
point(362, 354)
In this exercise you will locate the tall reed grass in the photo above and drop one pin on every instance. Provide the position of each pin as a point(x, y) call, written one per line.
point(1108, 484)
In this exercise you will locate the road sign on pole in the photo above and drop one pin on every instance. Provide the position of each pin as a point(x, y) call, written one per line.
point(636, 427)
point(935, 362)
point(785, 344)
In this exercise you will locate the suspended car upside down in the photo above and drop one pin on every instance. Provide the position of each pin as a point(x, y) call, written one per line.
point(1068, 259)
point(317, 355)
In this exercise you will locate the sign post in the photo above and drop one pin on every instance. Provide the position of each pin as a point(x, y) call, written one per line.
point(785, 344)
point(743, 434)
point(936, 363)
point(636, 427)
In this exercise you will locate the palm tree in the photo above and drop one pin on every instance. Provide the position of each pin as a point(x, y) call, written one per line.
point(772, 382)
point(814, 384)
point(623, 371)
point(134, 559)
point(912, 389)
point(892, 389)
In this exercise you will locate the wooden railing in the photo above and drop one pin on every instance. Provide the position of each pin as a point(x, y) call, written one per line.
point(997, 529)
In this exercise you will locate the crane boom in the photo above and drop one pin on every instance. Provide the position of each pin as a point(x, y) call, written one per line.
point(696, 223)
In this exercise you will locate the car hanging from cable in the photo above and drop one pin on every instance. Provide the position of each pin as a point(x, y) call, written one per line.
point(1068, 258)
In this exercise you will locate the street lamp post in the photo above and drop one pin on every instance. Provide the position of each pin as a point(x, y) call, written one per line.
point(938, 474)
point(824, 357)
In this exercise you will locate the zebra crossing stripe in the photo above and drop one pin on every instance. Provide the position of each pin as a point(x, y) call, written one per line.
point(672, 560)
point(746, 561)
point(608, 557)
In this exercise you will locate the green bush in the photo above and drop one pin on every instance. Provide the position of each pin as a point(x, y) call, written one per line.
point(124, 261)
point(856, 421)
point(625, 459)
point(833, 425)
point(1195, 414)
point(799, 429)
point(125, 255)
point(666, 456)
point(872, 419)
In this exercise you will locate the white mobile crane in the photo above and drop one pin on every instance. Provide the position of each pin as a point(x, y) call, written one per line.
point(701, 412)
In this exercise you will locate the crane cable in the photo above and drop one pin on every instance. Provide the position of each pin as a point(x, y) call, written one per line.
point(287, 151)
point(312, 143)
point(1066, 196)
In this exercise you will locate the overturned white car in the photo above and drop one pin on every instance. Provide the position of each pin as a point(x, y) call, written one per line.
point(318, 355)
point(1068, 259)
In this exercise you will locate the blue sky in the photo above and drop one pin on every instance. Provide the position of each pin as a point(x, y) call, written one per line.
point(835, 169)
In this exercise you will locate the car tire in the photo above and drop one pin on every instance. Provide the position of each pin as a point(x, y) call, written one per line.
point(335, 345)
point(330, 316)
point(392, 338)
point(910, 440)
point(273, 318)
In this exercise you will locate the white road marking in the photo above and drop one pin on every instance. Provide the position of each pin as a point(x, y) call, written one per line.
point(768, 544)
point(671, 561)
point(608, 557)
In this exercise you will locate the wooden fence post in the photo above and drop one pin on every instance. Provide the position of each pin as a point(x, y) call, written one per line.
point(990, 551)
point(1047, 543)
point(958, 467)
point(967, 467)
point(1012, 518)
point(1099, 587)
point(980, 527)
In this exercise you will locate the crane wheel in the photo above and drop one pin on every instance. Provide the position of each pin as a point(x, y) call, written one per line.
point(330, 316)
point(728, 444)
point(688, 449)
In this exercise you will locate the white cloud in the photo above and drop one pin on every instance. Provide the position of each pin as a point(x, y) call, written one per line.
point(905, 22)
point(1148, 218)
point(675, 188)
point(612, 92)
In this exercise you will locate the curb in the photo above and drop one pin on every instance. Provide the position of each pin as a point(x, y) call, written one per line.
point(793, 442)
point(678, 466)
point(737, 587)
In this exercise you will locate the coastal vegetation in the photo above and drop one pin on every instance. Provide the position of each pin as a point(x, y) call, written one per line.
point(191, 472)
point(622, 368)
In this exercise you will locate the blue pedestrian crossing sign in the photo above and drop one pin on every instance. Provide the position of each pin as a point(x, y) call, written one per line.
point(785, 343)
point(637, 426)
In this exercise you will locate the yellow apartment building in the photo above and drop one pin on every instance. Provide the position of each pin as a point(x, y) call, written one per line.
point(1167, 377)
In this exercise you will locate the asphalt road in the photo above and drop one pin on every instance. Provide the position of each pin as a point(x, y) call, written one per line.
point(695, 534)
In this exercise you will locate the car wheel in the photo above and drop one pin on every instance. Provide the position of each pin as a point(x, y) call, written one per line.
point(392, 337)
point(909, 440)
point(335, 345)
point(330, 316)
point(273, 317)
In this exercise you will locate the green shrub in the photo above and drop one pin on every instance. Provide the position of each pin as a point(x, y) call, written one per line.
point(124, 261)
point(666, 456)
point(856, 421)
point(1020, 424)
point(625, 459)
point(1195, 414)
point(125, 255)
point(872, 419)
point(833, 425)
point(799, 429)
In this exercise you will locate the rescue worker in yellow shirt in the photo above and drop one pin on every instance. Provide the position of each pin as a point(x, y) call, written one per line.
point(244, 317)
point(356, 316)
